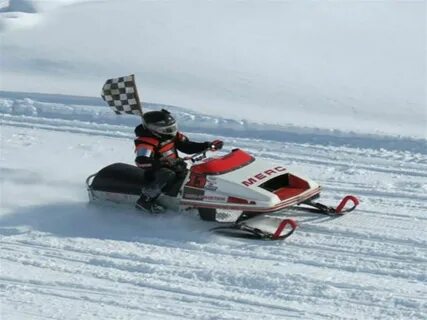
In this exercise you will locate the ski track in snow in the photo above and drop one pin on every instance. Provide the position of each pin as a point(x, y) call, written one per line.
point(63, 259)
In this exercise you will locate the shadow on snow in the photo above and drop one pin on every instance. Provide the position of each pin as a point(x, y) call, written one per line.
point(81, 220)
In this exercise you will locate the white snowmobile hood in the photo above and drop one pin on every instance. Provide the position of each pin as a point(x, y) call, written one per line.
point(244, 182)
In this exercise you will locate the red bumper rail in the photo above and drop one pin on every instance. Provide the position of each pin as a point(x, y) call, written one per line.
point(343, 203)
point(277, 235)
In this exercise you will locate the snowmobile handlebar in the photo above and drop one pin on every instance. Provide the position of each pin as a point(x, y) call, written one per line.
point(196, 157)
point(202, 154)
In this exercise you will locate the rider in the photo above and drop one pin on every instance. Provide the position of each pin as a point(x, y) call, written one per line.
point(156, 144)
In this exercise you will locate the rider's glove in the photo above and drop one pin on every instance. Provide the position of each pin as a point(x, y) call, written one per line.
point(215, 145)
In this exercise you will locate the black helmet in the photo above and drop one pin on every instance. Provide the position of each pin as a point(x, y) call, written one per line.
point(160, 123)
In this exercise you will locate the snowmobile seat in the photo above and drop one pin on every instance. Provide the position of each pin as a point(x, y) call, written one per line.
point(119, 178)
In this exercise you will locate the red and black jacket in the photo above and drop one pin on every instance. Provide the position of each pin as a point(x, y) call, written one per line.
point(150, 149)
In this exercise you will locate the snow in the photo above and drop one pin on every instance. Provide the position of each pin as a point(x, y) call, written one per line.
point(333, 90)
point(357, 66)
point(63, 259)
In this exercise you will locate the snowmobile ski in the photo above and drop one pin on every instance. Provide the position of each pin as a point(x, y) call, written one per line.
point(317, 207)
point(243, 230)
point(244, 226)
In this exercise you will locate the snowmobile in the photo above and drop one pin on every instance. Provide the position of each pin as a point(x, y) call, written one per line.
point(236, 182)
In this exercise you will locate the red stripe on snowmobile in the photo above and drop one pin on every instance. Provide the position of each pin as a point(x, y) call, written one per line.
point(344, 202)
point(239, 200)
point(232, 161)
point(277, 207)
point(282, 226)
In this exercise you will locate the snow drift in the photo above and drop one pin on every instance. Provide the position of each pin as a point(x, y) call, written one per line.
point(356, 66)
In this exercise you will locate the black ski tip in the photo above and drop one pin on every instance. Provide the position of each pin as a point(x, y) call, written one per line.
point(237, 233)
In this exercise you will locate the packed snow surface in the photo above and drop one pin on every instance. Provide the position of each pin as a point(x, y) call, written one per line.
point(64, 259)
point(335, 90)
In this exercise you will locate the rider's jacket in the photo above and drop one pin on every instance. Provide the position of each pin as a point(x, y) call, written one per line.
point(150, 150)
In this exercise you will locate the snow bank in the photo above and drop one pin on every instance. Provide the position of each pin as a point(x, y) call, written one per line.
point(26, 6)
point(17, 14)
point(92, 114)
point(348, 66)
point(23, 14)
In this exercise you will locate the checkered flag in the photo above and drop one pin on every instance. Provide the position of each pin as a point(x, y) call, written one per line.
point(122, 96)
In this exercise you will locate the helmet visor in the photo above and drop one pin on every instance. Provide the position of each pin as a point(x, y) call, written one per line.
point(169, 130)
